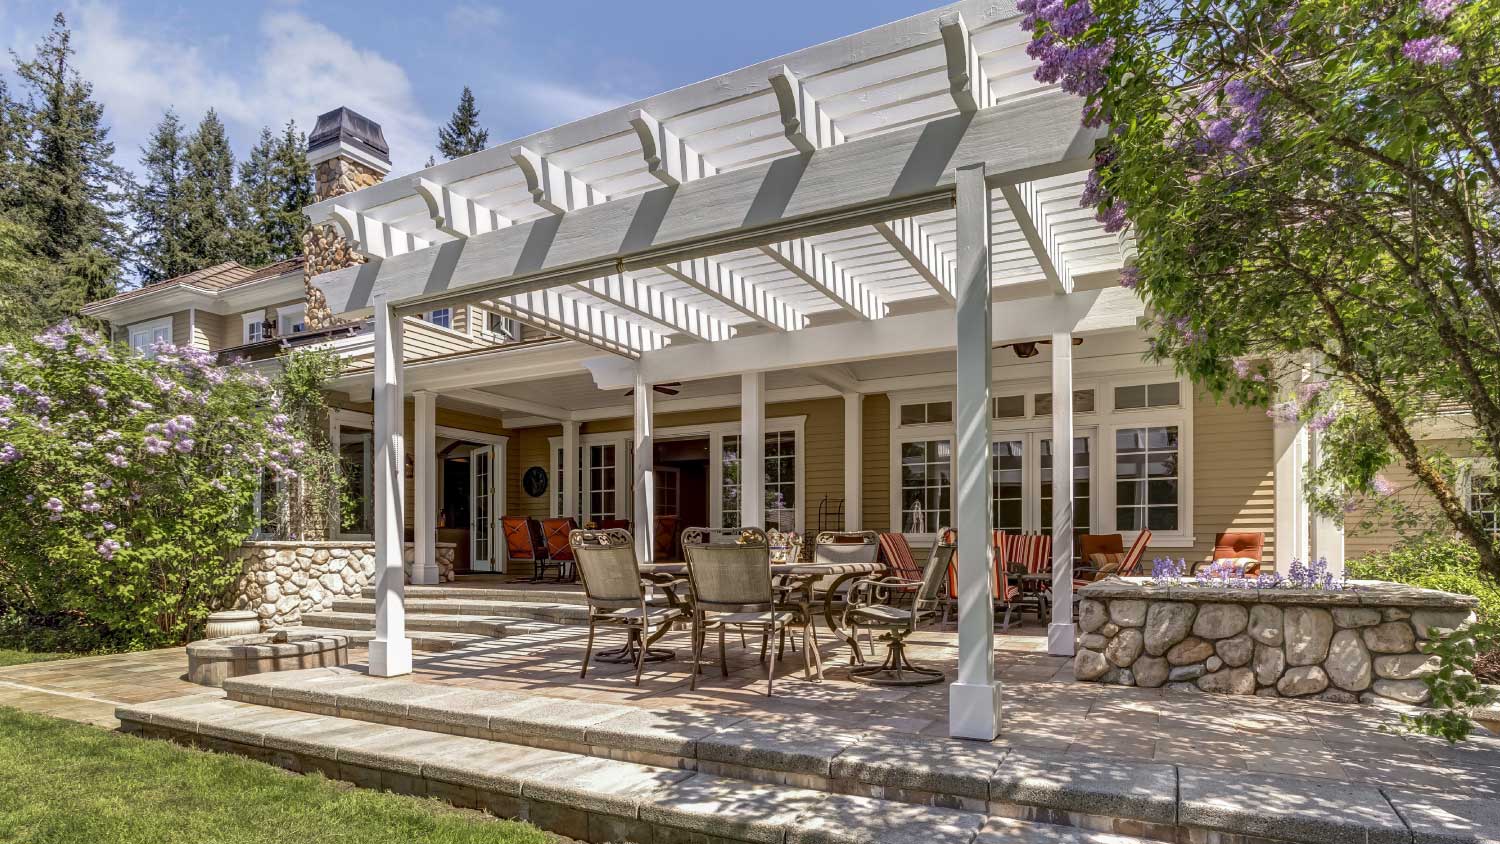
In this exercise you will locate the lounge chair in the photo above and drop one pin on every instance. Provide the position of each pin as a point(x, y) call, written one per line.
point(900, 563)
point(1104, 545)
point(523, 543)
point(869, 606)
point(555, 540)
point(616, 594)
point(1245, 547)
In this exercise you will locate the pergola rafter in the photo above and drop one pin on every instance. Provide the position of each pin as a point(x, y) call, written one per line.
point(455, 214)
point(370, 237)
point(565, 317)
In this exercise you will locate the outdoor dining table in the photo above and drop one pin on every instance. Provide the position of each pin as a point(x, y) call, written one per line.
point(799, 579)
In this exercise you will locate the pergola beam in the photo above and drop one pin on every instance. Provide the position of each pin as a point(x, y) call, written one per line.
point(552, 187)
point(370, 237)
point(456, 214)
point(548, 311)
point(803, 121)
point(732, 289)
point(1037, 228)
point(499, 402)
point(967, 82)
point(823, 274)
point(668, 156)
point(660, 308)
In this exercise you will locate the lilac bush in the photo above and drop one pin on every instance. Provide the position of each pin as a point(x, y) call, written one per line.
point(124, 479)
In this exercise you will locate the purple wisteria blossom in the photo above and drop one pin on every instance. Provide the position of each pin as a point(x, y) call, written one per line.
point(1432, 50)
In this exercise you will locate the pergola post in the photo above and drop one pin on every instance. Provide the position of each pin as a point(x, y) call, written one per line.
point(1289, 445)
point(854, 421)
point(1326, 535)
point(753, 449)
point(1060, 631)
point(974, 698)
point(567, 485)
point(645, 458)
point(390, 650)
point(424, 568)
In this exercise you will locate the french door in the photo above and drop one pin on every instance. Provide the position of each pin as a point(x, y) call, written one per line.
point(483, 512)
point(1021, 482)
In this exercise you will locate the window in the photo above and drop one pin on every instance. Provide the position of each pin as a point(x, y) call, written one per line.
point(1484, 502)
point(926, 485)
point(601, 477)
point(1083, 402)
point(1139, 396)
point(729, 487)
point(254, 326)
point(505, 327)
point(781, 481)
point(356, 454)
point(1082, 471)
point(144, 335)
point(1008, 407)
point(441, 317)
point(1007, 485)
point(290, 319)
point(927, 413)
point(1146, 479)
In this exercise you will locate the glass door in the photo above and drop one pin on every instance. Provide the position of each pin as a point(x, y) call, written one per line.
point(482, 518)
point(1021, 482)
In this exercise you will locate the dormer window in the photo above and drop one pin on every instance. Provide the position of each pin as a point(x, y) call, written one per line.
point(291, 319)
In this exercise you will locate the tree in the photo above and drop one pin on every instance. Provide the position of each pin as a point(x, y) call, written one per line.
point(463, 134)
point(160, 207)
point(212, 208)
point(1314, 193)
point(292, 178)
point(66, 187)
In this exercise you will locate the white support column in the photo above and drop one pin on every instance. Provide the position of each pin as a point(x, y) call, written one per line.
point(645, 458)
point(567, 485)
point(974, 698)
point(390, 650)
point(753, 449)
point(1289, 444)
point(424, 568)
point(854, 423)
point(1326, 535)
point(1060, 632)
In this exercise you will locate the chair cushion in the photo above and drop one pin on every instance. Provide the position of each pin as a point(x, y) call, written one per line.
point(656, 614)
point(881, 614)
point(775, 618)
point(1107, 564)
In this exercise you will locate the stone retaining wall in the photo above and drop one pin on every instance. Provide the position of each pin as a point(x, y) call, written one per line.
point(1361, 644)
point(283, 580)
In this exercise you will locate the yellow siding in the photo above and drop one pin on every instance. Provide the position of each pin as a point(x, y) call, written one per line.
point(877, 469)
point(182, 332)
point(421, 339)
point(1367, 531)
point(212, 332)
point(1233, 476)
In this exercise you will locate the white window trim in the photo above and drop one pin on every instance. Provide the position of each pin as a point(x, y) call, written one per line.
point(249, 319)
point(288, 316)
point(1102, 423)
point(431, 318)
point(149, 328)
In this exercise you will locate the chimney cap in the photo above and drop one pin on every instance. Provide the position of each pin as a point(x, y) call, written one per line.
point(345, 128)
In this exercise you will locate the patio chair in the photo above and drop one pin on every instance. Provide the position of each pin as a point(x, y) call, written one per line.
point(730, 573)
point(1003, 591)
point(1099, 554)
point(786, 546)
point(900, 563)
point(556, 541)
point(1029, 554)
point(616, 594)
point(830, 547)
point(664, 538)
point(1245, 547)
point(614, 524)
point(523, 543)
point(870, 607)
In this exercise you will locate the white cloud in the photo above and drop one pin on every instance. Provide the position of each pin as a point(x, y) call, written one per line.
point(547, 104)
point(298, 69)
point(471, 18)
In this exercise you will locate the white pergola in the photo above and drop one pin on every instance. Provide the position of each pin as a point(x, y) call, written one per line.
point(907, 189)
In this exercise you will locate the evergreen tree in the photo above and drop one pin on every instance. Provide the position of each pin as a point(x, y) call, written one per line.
point(159, 205)
point(463, 134)
point(252, 243)
point(277, 183)
point(213, 208)
point(68, 189)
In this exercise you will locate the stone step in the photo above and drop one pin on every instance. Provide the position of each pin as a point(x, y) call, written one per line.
point(493, 627)
point(539, 595)
point(420, 641)
point(574, 795)
point(539, 611)
point(1146, 800)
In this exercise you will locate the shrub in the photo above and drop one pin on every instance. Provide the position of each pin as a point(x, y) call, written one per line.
point(124, 479)
point(1439, 563)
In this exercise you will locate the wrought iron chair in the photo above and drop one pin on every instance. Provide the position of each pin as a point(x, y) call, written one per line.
point(730, 573)
point(616, 594)
point(869, 606)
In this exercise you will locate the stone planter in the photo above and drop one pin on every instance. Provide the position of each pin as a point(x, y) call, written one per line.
point(232, 623)
point(212, 661)
point(283, 580)
point(1361, 644)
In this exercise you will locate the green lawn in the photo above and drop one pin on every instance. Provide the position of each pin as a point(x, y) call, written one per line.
point(66, 782)
point(14, 657)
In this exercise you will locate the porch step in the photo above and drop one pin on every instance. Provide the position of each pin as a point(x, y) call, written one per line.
point(488, 626)
point(557, 613)
point(1148, 800)
point(574, 795)
point(517, 594)
point(420, 641)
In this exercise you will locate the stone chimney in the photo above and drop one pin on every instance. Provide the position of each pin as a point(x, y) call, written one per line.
point(347, 152)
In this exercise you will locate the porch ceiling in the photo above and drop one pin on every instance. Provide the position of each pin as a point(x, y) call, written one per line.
point(879, 118)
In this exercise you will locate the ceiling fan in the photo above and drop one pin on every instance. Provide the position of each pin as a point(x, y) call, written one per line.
point(667, 389)
point(1028, 348)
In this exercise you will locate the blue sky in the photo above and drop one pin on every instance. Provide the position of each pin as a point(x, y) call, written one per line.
point(531, 65)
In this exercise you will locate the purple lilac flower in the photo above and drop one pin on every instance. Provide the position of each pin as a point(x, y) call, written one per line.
point(1432, 50)
point(1323, 421)
point(1381, 486)
point(1241, 367)
point(1113, 217)
point(1310, 390)
point(1130, 277)
point(1439, 10)
point(107, 549)
point(1283, 411)
point(155, 445)
point(55, 505)
point(9, 454)
point(91, 507)
point(184, 445)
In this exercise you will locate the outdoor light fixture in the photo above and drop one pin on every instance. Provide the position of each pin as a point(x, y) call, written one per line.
point(1028, 348)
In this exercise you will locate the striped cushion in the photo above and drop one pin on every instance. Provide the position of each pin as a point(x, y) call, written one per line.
point(895, 552)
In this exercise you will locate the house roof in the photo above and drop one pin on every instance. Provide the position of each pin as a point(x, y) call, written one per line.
point(209, 280)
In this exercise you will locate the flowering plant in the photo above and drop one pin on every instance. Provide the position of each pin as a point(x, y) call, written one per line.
point(124, 479)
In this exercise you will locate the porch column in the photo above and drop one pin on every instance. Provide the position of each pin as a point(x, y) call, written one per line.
point(567, 485)
point(1326, 535)
point(645, 457)
point(854, 423)
point(390, 650)
point(974, 698)
point(1060, 631)
point(1289, 444)
point(753, 449)
point(424, 568)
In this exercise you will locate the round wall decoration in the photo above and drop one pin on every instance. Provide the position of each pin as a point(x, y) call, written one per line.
point(535, 482)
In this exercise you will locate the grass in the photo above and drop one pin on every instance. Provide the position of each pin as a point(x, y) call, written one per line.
point(9, 656)
point(66, 782)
